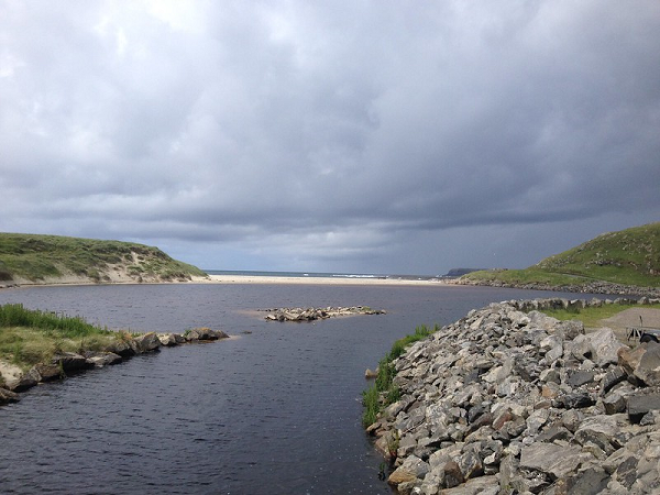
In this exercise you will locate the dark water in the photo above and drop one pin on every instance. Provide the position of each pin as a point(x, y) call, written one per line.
point(274, 411)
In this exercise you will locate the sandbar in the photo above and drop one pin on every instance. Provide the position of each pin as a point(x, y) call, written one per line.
point(271, 280)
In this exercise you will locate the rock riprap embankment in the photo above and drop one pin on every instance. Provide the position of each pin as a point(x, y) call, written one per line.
point(511, 401)
point(311, 314)
point(594, 287)
point(64, 364)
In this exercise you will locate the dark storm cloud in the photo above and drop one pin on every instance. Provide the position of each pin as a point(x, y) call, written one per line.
point(306, 135)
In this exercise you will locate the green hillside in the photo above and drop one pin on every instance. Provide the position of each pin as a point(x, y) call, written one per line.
point(629, 257)
point(31, 258)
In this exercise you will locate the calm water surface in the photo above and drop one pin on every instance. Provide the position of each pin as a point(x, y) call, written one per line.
point(276, 410)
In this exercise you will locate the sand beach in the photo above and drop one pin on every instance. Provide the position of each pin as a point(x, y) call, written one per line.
point(264, 279)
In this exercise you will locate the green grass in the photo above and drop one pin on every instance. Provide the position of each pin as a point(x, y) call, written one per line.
point(36, 257)
point(524, 277)
point(28, 337)
point(629, 257)
point(592, 316)
point(383, 392)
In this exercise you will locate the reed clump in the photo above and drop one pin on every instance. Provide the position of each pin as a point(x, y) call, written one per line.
point(384, 392)
point(29, 336)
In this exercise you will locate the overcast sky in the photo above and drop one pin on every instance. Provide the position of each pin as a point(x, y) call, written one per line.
point(351, 136)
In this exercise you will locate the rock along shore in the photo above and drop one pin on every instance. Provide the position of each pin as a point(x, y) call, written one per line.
point(69, 363)
point(311, 314)
point(595, 287)
point(510, 401)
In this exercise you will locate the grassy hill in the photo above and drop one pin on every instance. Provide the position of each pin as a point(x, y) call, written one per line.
point(31, 258)
point(630, 257)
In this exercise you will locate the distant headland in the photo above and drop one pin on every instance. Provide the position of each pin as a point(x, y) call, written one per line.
point(625, 263)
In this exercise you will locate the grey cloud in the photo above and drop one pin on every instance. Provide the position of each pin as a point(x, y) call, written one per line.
point(345, 132)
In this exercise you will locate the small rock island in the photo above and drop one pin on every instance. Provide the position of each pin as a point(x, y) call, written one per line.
point(311, 314)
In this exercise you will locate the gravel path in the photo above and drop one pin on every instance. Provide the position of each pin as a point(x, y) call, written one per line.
point(630, 318)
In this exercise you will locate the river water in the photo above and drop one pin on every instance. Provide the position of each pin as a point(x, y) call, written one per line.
point(276, 410)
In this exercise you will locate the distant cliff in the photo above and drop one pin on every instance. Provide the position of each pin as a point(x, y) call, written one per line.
point(459, 272)
point(47, 259)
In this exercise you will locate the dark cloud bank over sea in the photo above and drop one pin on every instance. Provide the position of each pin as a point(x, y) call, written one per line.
point(373, 137)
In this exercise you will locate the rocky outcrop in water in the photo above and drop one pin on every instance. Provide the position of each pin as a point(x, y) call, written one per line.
point(65, 364)
point(510, 401)
point(311, 314)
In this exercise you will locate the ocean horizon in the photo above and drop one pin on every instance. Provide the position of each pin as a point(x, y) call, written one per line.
point(257, 273)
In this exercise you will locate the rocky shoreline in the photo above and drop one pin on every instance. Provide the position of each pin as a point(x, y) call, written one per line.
point(510, 401)
point(312, 314)
point(66, 364)
point(595, 287)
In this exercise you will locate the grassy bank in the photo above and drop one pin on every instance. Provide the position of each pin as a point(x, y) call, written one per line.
point(593, 316)
point(383, 392)
point(28, 337)
point(629, 257)
point(526, 276)
point(38, 257)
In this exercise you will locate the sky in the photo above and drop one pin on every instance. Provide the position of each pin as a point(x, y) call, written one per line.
point(331, 136)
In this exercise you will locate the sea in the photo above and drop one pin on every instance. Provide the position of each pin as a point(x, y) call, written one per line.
point(274, 410)
point(338, 275)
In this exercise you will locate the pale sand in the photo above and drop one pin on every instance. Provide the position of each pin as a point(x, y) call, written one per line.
point(251, 279)
point(121, 277)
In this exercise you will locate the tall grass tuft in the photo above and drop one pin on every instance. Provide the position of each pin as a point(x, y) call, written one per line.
point(28, 337)
point(15, 315)
point(383, 392)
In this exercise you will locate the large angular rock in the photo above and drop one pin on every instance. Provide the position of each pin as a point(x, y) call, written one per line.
point(27, 380)
point(569, 330)
point(71, 362)
point(626, 471)
point(101, 359)
point(643, 362)
point(167, 339)
point(121, 347)
point(615, 403)
point(412, 469)
point(599, 430)
point(591, 481)
point(149, 342)
point(219, 335)
point(10, 375)
point(640, 404)
point(581, 348)
point(486, 485)
point(577, 378)
point(7, 396)
point(612, 378)
point(49, 372)
point(471, 465)
point(605, 345)
point(452, 474)
point(550, 458)
point(577, 401)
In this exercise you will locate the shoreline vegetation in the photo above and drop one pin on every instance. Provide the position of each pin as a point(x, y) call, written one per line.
point(38, 347)
point(624, 263)
point(618, 263)
point(511, 400)
point(32, 259)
